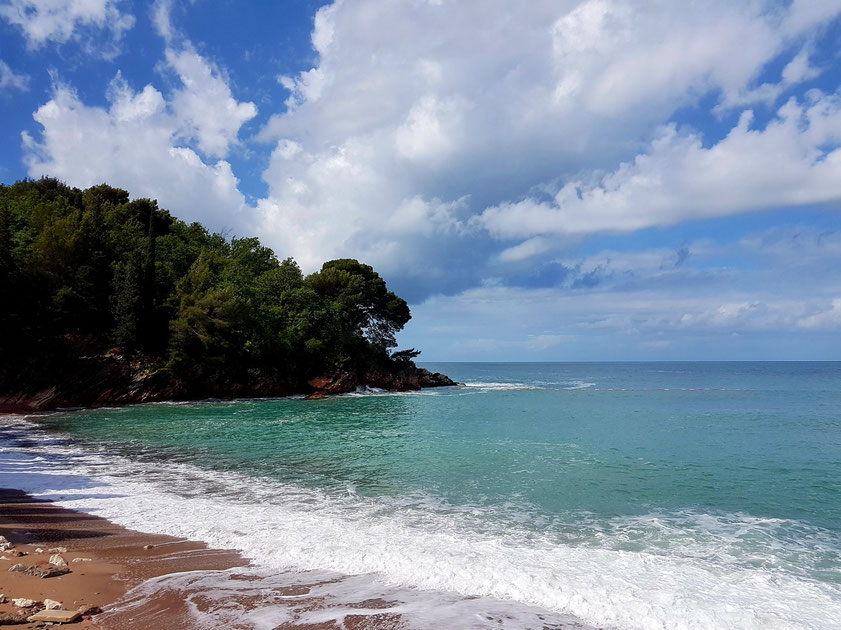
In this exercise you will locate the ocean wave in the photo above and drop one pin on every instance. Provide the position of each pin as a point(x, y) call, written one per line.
point(495, 386)
point(682, 570)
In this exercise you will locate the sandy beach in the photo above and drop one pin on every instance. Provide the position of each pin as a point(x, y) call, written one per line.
point(105, 560)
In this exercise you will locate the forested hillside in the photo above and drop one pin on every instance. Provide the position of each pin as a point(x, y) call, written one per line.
point(119, 289)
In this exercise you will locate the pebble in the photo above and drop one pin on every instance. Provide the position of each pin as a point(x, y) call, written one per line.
point(51, 604)
point(57, 550)
point(22, 602)
point(81, 560)
point(17, 567)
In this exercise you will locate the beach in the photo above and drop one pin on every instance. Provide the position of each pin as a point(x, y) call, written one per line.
point(105, 560)
point(109, 566)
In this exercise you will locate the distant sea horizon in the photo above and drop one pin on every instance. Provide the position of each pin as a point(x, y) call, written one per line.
point(619, 494)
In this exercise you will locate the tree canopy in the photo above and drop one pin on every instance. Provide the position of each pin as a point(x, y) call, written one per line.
point(100, 270)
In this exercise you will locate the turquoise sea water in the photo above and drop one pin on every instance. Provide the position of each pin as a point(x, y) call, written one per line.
point(628, 495)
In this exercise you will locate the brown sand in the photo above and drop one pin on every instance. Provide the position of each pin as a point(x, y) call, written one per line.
point(117, 559)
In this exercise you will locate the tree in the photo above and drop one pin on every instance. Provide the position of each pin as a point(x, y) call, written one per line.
point(368, 308)
point(206, 330)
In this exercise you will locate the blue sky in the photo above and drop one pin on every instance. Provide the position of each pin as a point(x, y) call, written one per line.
point(551, 180)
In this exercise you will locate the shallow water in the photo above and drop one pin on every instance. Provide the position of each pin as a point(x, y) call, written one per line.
point(653, 495)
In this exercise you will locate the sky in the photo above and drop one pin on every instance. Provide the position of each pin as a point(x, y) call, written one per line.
point(558, 180)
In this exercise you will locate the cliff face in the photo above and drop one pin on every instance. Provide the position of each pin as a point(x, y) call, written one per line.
point(408, 377)
point(109, 379)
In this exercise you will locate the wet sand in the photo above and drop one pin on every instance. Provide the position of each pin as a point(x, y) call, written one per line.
point(105, 560)
point(150, 582)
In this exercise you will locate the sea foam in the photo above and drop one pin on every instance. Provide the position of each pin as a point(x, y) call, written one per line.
point(612, 579)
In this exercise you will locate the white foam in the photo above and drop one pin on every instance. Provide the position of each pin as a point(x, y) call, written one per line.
point(224, 599)
point(494, 386)
point(602, 582)
point(580, 385)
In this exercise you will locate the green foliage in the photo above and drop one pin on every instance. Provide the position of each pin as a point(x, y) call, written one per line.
point(94, 265)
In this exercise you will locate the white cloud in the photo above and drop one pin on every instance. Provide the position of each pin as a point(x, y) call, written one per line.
point(829, 319)
point(794, 160)
point(204, 105)
point(532, 247)
point(494, 101)
point(504, 322)
point(132, 144)
point(11, 80)
point(58, 21)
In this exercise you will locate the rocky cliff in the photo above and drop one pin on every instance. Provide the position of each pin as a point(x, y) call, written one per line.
point(111, 379)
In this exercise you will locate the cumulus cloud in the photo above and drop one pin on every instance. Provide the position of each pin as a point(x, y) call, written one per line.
point(479, 103)
point(58, 21)
point(795, 160)
point(205, 107)
point(132, 144)
point(11, 80)
point(169, 147)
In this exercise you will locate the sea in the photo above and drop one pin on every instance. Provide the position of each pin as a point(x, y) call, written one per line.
point(627, 496)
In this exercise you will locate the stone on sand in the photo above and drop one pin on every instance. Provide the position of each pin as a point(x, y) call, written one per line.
point(17, 568)
point(47, 572)
point(22, 602)
point(57, 560)
point(56, 616)
point(11, 619)
point(51, 604)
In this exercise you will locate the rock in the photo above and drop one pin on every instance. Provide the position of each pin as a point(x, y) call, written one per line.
point(22, 602)
point(6, 546)
point(2, 598)
point(56, 616)
point(87, 609)
point(11, 619)
point(81, 560)
point(51, 604)
point(57, 560)
point(57, 550)
point(335, 383)
point(18, 554)
point(17, 568)
point(3, 539)
point(434, 379)
point(148, 546)
point(47, 572)
point(39, 550)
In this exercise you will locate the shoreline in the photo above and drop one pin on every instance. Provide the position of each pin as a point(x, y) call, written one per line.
point(179, 583)
point(105, 559)
point(122, 579)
